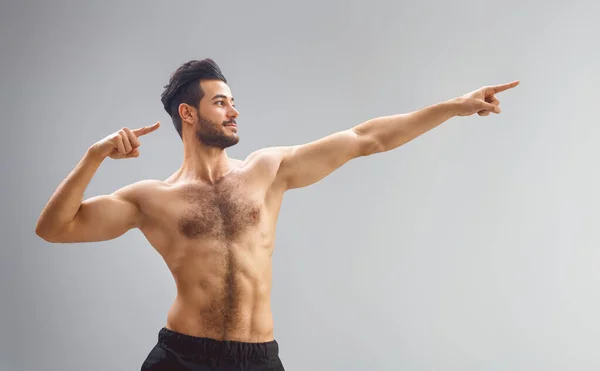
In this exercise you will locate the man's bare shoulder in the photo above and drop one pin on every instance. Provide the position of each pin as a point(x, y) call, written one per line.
point(269, 156)
point(141, 189)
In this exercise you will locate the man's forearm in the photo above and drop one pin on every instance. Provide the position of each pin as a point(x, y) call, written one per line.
point(66, 200)
point(390, 132)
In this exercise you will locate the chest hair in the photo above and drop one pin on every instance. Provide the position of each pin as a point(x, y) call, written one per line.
point(223, 211)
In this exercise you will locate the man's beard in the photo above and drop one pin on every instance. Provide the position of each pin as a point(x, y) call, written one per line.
point(209, 134)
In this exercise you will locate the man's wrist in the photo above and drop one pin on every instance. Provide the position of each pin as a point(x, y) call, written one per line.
point(93, 154)
point(452, 106)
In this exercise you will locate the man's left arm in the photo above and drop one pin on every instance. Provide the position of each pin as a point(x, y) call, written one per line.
point(306, 164)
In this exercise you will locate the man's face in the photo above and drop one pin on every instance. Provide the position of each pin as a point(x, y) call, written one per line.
point(216, 125)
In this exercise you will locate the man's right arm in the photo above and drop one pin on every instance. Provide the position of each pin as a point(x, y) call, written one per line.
point(66, 218)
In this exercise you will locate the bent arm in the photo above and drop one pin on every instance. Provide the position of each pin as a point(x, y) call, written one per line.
point(66, 218)
point(306, 164)
point(100, 218)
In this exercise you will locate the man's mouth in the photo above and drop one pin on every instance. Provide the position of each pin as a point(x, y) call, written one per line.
point(231, 123)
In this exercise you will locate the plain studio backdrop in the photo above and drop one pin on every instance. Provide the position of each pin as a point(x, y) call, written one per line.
point(474, 247)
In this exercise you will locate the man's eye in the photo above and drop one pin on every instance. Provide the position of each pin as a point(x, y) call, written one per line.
point(220, 103)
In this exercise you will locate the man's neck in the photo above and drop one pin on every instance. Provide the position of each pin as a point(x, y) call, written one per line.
point(201, 162)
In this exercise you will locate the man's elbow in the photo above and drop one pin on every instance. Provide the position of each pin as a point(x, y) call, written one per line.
point(47, 233)
point(368, 145)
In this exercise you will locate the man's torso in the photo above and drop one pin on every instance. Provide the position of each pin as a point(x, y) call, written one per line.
point(217, 240)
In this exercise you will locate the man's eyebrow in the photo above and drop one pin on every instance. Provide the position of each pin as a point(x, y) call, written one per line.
point(222, 96)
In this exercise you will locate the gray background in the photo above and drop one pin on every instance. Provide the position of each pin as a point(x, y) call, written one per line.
point(474, 247)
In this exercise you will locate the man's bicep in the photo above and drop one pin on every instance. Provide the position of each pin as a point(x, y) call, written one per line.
point(103, 218)
point(306, 164)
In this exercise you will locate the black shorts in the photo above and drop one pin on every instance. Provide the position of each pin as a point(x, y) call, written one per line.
point(178, 352)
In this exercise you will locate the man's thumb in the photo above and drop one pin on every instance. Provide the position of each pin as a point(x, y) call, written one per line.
point(134, 153)
point(489, 107)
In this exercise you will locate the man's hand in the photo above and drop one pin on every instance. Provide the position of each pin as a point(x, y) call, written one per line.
point(482, 101)
point(122, 144)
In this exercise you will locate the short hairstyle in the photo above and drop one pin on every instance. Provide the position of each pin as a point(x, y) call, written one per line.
point(184, 87)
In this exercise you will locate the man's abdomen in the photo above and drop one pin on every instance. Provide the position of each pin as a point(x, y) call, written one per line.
point(228, 305)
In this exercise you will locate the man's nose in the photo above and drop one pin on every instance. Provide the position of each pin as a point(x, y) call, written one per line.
point(233, 112)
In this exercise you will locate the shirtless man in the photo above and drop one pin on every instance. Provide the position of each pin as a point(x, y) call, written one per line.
point(213, 220)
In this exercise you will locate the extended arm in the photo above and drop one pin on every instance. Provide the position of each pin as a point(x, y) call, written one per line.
point(306, 164)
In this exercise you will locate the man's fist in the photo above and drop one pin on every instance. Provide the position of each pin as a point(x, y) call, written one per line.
point(122, 144)
point(482, 101)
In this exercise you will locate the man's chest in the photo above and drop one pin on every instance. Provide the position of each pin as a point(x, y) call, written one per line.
point(225, 211)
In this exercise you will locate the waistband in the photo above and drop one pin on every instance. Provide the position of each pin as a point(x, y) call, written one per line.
point(198, 346)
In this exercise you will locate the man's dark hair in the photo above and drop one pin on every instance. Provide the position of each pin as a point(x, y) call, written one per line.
point(184, 87)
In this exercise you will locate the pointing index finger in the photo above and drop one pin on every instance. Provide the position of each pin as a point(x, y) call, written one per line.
point(503, 87)
point(146, 129)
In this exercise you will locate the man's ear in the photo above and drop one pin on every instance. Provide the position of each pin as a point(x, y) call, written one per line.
point(187, 113)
